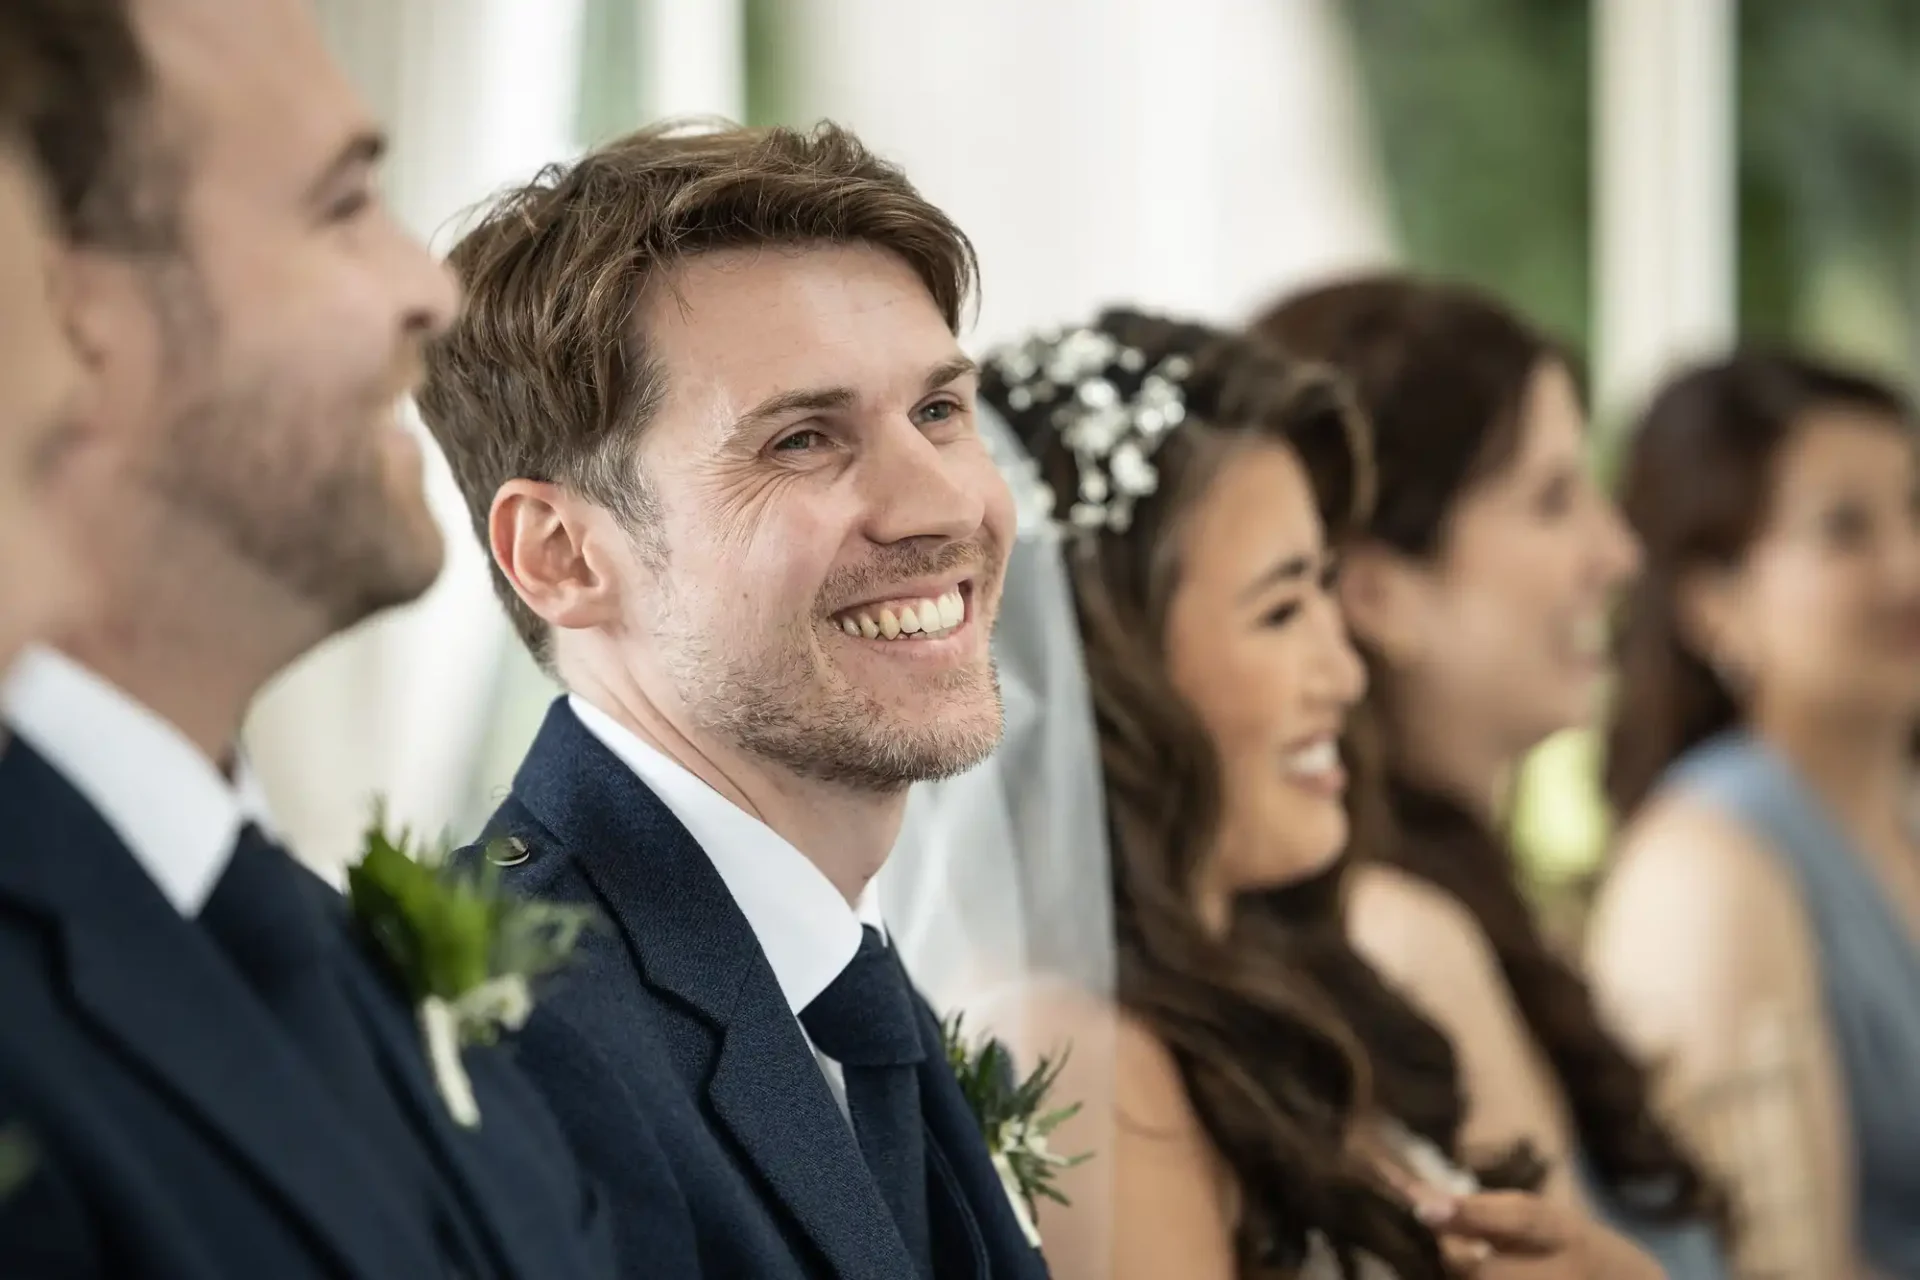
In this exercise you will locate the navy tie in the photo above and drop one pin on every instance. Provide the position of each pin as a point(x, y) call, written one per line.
point(868, 1022)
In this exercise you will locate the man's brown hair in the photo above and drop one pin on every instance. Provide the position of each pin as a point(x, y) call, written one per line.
point(547, 375)
point(73, 86)
point(23, 81)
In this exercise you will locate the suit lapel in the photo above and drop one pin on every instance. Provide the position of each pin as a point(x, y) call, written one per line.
point(692, 942)
point(797, 1139)
point(978, 1234)
point(160, 994)
point(491, 1199)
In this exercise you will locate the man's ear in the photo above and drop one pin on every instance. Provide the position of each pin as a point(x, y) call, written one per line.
point(114, 333)
point(97, 302)
point(1381, 594)
point(547, 542)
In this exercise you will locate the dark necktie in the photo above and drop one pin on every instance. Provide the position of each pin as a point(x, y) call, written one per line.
point(866, 1020)
point(264, 914)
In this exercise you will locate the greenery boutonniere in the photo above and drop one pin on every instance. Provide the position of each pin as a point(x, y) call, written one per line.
point(465, 949)
point(1013, 1119)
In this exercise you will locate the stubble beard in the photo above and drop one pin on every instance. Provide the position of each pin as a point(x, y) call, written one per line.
point(791, 710)
point(302, 500)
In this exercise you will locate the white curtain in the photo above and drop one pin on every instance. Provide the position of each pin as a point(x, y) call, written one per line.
point(1665, 208)
point(475, 94)
point(1195, 155)
point(692, 59)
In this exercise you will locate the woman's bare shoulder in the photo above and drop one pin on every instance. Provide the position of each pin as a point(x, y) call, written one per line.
point(1689, 878)
point(1419, 935)
point(1696, 924)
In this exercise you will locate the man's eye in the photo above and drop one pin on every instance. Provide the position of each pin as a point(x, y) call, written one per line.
point(938, 411)
point(797, 441)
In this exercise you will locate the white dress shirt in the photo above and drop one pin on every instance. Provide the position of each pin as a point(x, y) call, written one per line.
point(161, 795)
point(804, 926)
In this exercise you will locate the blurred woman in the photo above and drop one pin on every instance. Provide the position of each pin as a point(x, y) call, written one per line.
point(1758, 930)
point(1479, 592)
point(1200, 480)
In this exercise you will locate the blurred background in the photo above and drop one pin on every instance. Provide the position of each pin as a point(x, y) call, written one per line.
point(1648, 178)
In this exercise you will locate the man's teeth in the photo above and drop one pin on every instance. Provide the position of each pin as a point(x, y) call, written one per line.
point(1323, 757)
point(927, 619)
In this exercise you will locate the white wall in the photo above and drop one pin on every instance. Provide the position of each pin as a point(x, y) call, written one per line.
point(1196, 155)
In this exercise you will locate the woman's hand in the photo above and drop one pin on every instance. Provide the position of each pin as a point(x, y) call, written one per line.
point(1512, 1235)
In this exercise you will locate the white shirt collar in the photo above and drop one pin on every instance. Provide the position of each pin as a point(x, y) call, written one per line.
point(159, 793)
point(804, 926)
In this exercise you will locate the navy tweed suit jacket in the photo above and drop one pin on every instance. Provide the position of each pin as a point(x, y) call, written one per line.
point(160, 1125)
point(670, 1030)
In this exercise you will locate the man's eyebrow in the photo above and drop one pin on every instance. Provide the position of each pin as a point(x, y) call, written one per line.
point(364, 150)
point(813, 400)
point(829, 399)
point(949, 371)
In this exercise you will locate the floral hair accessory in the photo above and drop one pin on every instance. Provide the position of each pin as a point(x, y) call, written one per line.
point(1108, 407)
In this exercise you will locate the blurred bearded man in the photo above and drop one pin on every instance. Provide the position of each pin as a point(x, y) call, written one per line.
point(208, 1070)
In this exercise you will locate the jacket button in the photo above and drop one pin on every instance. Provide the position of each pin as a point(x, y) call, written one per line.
point(510, 852)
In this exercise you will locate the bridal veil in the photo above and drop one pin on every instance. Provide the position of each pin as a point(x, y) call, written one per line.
point(998, 894)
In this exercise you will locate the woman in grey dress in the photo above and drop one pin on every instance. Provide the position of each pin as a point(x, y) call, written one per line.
point(1758, 932)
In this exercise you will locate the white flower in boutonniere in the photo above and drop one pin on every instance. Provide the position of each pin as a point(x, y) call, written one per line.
point(466, 951)
point(1012, 1120)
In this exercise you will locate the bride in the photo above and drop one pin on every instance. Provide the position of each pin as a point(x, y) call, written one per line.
point(1177, 678)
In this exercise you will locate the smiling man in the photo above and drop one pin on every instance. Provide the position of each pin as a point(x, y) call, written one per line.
point(711, 418)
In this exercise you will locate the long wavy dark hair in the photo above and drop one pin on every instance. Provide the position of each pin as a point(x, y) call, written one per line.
point(1442, 372)
point(1415, 1069)
point(1273, 1075)
point(1698, 478)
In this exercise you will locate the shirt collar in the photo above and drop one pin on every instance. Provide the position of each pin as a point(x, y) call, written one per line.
point(159, 793)
point(805, 928)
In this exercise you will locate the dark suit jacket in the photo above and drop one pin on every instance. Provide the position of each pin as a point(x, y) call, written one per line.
point(176, 1132)
point(671, 1021)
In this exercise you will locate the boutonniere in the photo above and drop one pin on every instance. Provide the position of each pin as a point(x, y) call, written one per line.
point(1013, 1119)
point(466, 951)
